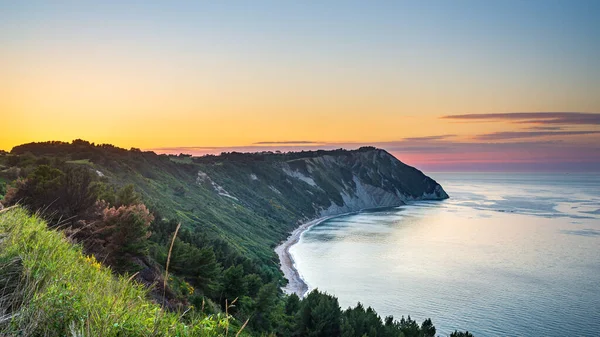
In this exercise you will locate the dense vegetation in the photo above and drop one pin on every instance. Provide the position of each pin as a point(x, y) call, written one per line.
point(124, 207)
point(50, 288)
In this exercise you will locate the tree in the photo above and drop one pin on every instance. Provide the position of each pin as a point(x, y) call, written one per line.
point(127, 227)
point(409, 327)
point(38, 190)
point(319, 316)
point(461, 334)
point(254, 283)
point(234, 284)
point(79, 191)
point(427, 328)
point(127, 196)
point(264, 306)
point(292, 304)
point(61, 196)
point(2, 188)
point(197, 264)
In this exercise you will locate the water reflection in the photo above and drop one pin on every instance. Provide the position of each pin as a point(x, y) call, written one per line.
point(506, 255)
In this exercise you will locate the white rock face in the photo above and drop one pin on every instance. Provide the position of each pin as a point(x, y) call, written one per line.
point(253, 177)
point(365, 196)
point(362, 195)
point(203, 177)
point(299, 175)
point(274, 189)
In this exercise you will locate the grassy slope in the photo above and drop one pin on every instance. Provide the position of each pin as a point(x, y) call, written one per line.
point(51, 289)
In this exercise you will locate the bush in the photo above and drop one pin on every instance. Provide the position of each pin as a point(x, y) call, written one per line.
point(59, 195)
point(2, 189)
point(127, 230)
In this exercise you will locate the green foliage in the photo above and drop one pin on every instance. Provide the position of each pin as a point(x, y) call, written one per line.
point(2, 188)
point(60, 291)
point(292, 304)
point(60, 195)
point(38, 189)
point(358, 322)
point(427, 328)
point(80, 162)
point(197, 264)
point(106, 192)
point(234, 283)
point(319, 316)
point(264, 318)
point(127, 196)
point(254, 282)
point(461, 334)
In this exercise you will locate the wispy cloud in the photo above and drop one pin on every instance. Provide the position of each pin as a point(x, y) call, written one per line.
point(429, 138)
point(287, 142)
point(545, 128)
point(508, 135)
point(561, 118)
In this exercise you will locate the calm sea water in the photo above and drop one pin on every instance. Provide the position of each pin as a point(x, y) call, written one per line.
point(507, 255)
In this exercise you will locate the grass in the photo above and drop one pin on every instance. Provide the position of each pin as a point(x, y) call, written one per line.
point(50, 288)
point(182, 160)
point(80, 162)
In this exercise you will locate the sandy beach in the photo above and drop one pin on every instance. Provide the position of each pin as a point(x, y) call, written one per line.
point(296, 284)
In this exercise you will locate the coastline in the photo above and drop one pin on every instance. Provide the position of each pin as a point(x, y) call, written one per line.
point(296, 284)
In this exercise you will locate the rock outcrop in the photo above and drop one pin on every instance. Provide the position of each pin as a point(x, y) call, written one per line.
point(330, 182)
point(365, 178)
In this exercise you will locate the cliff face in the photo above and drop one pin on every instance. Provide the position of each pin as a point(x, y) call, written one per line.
point(319, 183)
point(363, 179)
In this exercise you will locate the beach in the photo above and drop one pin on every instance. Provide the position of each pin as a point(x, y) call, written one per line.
point(296, 284)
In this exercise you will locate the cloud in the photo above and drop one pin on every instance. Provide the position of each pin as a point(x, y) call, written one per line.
point(508, 135)
point(545, 128)
point(429, 138)
point(287, 142)
point(560, 118)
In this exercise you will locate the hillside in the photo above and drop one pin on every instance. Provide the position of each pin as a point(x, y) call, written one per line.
point(252, 201)
point(123, 208)
point(50, 287)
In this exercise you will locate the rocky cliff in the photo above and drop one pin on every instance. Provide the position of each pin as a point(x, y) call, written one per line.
point(366, 178)
point(319, 183)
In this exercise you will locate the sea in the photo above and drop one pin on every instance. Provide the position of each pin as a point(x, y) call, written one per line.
point(506, 255)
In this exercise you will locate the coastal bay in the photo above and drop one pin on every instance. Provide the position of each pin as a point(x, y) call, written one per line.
point(522, 248)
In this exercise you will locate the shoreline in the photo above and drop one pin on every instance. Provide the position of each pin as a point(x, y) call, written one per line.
point(296, 284)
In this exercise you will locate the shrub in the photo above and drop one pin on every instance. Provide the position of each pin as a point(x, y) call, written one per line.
point(60, 195)
point(127, 228)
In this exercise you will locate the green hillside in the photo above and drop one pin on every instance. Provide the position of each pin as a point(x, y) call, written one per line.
point(50, 288)
point(247, 200)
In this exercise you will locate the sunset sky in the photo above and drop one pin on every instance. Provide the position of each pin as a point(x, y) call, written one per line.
point(443, 85)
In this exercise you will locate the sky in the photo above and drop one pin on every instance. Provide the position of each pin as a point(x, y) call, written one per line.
point(442, 85)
